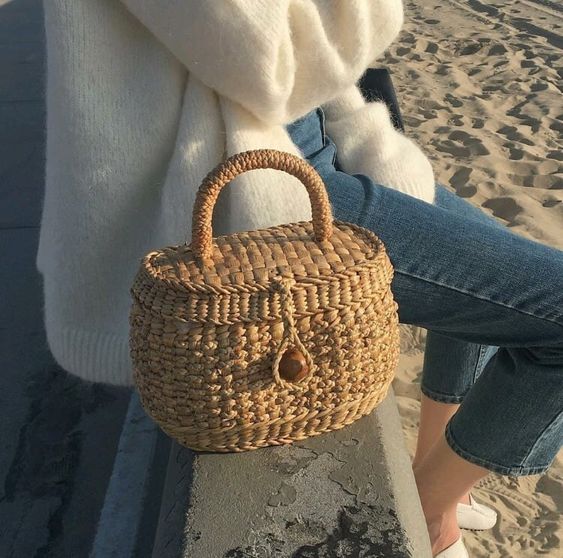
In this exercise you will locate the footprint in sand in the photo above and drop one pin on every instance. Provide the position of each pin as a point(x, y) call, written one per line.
point(454, 101)
point(443, 69)
point(428, 114)
point(467, 191)
point(402, 51)
point(516, 110)
point(512, 133)
point(431, 104)
point(456, 120)
point(504, 207)
point(412, 121)
point(408, 38)
point(468, 50)
point(474, 144)
point(551, 202)
point(447, 146)
point(521, 513)
point(506, 488)
point(497, 50)
point(500, 63)
point(460, 180)
point(539, 86)
point(431, 48)
point(461, 177)
point(515, 153)
point(557, 155)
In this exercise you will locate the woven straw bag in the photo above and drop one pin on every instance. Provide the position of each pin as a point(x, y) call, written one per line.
point(263, 337)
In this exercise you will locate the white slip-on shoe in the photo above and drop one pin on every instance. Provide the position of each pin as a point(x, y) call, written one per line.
point(475, 516)
point(456, 550)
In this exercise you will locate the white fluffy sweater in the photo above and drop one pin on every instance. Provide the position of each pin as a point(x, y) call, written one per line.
point(145, 97)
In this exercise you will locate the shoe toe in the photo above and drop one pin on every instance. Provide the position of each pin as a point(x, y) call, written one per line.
point(485, 511)
point(475, 516)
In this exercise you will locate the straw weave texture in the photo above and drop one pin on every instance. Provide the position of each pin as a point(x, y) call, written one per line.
point(211, 322)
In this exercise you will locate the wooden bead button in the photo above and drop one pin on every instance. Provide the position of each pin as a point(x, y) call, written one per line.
point(293, 366)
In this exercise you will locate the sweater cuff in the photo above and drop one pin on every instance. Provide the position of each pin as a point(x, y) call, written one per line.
point(348, 101)
point(91, 355)
point(371, 122)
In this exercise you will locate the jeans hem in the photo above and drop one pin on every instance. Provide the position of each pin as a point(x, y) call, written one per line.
point(441, 397)
point(514, 471)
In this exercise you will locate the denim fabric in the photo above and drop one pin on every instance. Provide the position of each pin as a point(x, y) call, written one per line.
point(491, 300)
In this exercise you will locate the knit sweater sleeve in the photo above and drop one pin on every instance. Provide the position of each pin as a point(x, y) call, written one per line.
point(368, 143)
point(279, 59)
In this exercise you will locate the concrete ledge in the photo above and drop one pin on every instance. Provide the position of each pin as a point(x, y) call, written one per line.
point(127, 520)
point(349, 493)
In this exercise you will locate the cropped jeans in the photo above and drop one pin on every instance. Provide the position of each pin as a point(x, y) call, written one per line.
point(491, 301)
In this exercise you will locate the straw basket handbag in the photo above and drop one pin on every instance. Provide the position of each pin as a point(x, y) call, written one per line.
point(268, 336)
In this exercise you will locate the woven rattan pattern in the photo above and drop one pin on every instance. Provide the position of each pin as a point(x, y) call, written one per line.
point(241, 291)
point(250, 258)
point(211, 387)
point(210, 321)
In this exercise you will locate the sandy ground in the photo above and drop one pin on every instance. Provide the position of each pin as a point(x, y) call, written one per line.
point(479, 89)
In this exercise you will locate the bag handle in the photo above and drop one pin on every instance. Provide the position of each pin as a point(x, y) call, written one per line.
point(228, 170)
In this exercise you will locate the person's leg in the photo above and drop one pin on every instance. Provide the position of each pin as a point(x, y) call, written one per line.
point(442, 478)
point(450, 366)
point(480, 284)
point(434, 416)
point(504, 295)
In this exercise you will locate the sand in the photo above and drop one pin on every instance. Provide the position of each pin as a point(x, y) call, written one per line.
point(479, 86)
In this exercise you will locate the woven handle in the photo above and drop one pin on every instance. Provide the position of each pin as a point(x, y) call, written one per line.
point(213, 183)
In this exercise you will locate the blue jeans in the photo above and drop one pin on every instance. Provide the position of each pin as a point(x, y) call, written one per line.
point(491, 300)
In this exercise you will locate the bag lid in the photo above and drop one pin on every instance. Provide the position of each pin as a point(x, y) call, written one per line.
point(249, 260)
point(239, 274)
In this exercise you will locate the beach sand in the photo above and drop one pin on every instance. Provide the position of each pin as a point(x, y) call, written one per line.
point(479, 88)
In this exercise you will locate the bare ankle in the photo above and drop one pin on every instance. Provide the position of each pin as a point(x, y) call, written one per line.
point(465, 499)
point(442, 524)
point(443, 531)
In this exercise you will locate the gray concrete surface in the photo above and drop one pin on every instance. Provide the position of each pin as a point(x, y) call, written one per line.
point(348, 493)
point(58, 435)
point(120, 524)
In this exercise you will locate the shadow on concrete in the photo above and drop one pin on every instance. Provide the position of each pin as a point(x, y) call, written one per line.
point(59, 434)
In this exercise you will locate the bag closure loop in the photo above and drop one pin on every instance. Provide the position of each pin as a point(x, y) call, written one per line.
point(290, 342)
